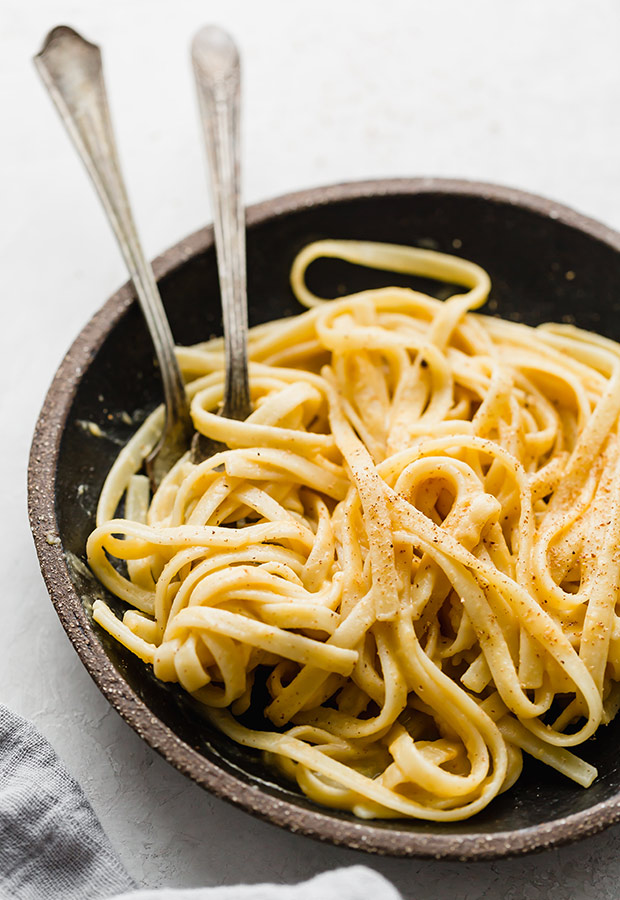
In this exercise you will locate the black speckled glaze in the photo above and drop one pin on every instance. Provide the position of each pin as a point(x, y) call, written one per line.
point(546, 263)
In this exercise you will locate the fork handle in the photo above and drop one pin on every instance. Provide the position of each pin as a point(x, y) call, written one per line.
point(71, 69)
point(218, 80)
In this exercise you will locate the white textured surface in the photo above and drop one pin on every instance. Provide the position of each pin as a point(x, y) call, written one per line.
point(525, 93)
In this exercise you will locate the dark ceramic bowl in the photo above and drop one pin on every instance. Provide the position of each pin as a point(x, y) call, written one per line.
point(546, 263)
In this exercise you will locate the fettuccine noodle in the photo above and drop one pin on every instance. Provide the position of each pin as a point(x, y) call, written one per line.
point(412, 543)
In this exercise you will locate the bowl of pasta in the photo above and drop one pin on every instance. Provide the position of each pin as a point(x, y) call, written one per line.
point(385, 615)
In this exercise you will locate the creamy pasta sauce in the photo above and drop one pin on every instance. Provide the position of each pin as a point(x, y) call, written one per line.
point(413, 541)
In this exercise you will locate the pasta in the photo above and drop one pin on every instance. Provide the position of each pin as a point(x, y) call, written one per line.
point(412, 544)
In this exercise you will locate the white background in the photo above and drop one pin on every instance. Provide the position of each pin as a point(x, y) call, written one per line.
point(524, 93)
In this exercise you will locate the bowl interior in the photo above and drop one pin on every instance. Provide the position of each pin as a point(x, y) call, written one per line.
point(544, 265)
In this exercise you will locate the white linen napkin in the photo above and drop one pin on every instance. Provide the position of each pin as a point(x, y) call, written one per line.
point(52, 846)
point(352, 883)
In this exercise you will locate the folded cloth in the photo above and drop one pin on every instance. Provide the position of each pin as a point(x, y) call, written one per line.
point(52, 846)
point(353, 883)
point(51, 843)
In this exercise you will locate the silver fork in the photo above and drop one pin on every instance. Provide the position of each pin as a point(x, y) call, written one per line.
point(71, 70)
point(217, 71)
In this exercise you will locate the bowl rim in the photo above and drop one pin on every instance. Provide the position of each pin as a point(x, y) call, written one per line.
point(44, 525)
